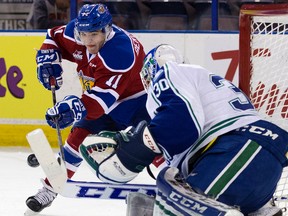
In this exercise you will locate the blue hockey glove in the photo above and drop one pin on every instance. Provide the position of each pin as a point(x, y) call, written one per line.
point(126, 154)
point(49, 65)
point(67, 111)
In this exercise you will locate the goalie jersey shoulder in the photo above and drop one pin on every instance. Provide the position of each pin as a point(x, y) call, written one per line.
point(203, 91)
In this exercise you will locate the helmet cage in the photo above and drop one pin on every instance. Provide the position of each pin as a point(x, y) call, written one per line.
point(155, 60)
point(148, 70)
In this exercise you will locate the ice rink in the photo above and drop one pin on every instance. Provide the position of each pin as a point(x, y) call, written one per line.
point(19, 181)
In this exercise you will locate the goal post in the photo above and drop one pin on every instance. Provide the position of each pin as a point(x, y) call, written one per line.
point(263, 69)
point(263, 63)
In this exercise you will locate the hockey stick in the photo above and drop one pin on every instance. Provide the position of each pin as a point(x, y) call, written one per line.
point(56, 174)
point(100, 190)
point(59, 137)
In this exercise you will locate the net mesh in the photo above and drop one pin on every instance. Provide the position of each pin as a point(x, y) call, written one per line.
point(269, 78)
point(269, 72)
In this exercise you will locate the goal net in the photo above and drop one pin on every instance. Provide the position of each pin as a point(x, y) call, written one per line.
point(263, 68)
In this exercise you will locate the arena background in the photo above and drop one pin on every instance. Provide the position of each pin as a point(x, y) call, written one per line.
point(23, 100)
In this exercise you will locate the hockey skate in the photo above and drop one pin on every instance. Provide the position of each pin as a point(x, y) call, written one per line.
point(41, 200)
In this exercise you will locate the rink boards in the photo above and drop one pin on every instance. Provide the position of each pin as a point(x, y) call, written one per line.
point(24, 101)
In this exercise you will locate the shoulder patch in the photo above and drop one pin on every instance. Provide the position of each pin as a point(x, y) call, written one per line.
point(118, 54)
point(69, 30)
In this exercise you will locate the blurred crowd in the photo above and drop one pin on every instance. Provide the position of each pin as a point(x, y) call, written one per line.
point(45, 14)
point(133, 14)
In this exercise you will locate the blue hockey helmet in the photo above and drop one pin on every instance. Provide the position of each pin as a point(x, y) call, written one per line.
point(93, 17)
point(155, 60)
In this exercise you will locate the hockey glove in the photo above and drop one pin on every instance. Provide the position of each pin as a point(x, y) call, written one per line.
point(67, 111)
point(49, 65)
point(134, 150)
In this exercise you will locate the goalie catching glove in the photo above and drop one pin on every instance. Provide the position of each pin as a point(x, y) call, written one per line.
point(118, 157)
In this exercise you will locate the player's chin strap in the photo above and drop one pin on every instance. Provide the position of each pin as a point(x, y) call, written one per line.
point(125, 155)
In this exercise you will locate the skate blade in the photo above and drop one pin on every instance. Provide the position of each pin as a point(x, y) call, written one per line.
point(29, 212)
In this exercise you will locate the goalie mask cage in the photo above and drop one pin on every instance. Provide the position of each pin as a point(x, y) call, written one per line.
point(263, 68)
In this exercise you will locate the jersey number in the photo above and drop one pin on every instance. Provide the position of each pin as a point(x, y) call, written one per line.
point(161, 85)
point(113, 81)
point(241, 102)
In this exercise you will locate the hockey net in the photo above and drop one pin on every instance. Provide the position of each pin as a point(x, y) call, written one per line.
point(263, 69)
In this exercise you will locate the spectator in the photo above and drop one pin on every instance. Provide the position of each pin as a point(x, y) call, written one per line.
point(45, 14)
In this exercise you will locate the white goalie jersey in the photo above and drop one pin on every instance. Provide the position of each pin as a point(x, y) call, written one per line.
point(187, 101)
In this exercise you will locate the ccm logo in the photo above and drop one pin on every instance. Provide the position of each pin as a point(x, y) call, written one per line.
point(190, 204)
point(150, 142)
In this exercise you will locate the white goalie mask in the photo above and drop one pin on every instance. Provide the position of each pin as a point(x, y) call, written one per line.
point(155, 60)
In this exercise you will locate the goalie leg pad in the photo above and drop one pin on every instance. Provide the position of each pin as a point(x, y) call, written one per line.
point(176, 197)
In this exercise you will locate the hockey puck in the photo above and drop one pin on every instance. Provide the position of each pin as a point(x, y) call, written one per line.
point(59, 160)
point(32, 160)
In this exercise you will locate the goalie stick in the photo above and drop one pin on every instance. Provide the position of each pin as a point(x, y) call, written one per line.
point(57, 175)
point(31, 159)
point(100, 190)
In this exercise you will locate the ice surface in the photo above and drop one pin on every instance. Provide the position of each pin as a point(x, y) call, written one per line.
point(19, 181)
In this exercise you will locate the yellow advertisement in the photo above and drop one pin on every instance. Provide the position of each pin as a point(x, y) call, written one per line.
point(22, 96)
point(23, 100)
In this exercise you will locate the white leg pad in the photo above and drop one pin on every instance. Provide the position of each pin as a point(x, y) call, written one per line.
point(175, 197)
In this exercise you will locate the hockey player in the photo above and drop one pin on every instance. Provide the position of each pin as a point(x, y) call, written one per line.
point(205, 127)
point(108, 60)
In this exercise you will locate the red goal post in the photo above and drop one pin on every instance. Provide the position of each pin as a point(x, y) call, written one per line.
point(263, 63)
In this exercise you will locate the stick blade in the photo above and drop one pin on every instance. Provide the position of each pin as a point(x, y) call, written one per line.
point(55, 171)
